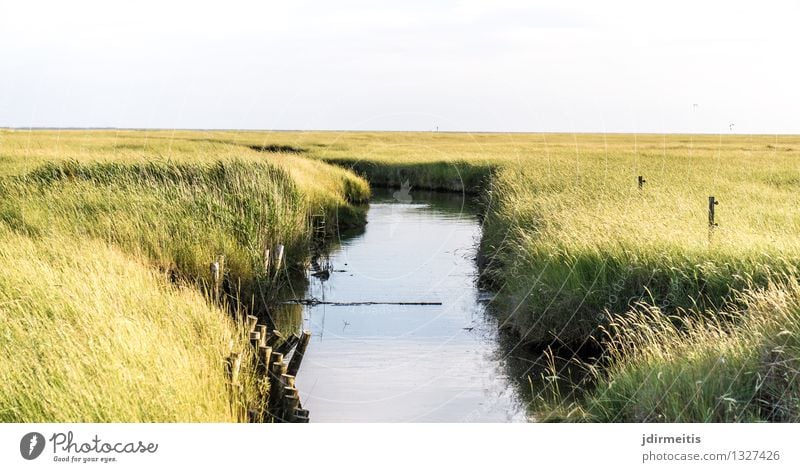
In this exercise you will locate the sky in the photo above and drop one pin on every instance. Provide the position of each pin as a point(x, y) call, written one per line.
point(502, 65)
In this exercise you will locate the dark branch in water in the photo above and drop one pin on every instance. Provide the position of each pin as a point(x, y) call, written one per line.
point(314, 302)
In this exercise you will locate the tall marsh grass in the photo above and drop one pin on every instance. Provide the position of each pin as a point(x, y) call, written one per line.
point(90, 333)
point(106, 244)
point(737, 364)
point(567, 234)
point(696, 326)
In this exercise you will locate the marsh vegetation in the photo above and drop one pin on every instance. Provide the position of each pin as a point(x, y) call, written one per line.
point(689, 324)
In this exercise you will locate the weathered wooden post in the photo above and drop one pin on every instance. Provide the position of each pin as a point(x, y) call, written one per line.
point(291, 401)
point(263, 364)
point(278, 367)
point(251, 321)
point(214, 267)
point(278, 257)
point(221, 263)
point(274, 338)
point(232, 367)
point(255, 340)
point(266, 260)
point(300, 415)
point(641, 182)
point(299, 352)
point(262, 330)
point(217, 274)
point(712, 203)
point(288, 345)
point(287, 380)
point(276, 373)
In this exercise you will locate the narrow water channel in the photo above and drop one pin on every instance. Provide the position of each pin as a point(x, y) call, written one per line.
point(391, 362)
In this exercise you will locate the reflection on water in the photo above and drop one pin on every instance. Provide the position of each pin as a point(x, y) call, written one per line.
point(390, 362)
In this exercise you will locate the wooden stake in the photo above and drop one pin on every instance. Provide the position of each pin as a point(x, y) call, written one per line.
point(262, 330)
point(287, 380)
point(278, 367)
point(277, 370)
point(221, 261)
point(288, 345)
point(712, 203)
point(221, 264)
point(252, 321)
point(255, 340)
point(291, 401)
point(274, 338)
point(214, 268)
point(300, 416)
point(278, 257)
point(297, 358)
point(233, 366)
point(264, 355)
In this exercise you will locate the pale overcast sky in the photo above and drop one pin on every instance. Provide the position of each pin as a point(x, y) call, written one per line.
point(502, 65)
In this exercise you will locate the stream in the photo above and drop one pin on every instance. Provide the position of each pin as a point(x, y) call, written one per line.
point(425, 349)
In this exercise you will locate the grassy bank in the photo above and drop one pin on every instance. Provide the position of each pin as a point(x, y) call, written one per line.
point(568, 236)
point(736, 364)
point(694, 325)
point(570, 243)
point(92, 334)
point(109, 255)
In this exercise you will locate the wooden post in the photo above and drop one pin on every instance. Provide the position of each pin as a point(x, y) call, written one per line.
point(278, 366)
point(287, 380)
point(252, 321)
point(712, 203)
point(229, 367)
point(641, 182)
point(299, 352)
point(274, 338)
point(266, 260)
point(276, 372)
point(300, 416)
point(232, 367)
point(255, 340)
point(221, 264)
point(278, 257)
point(262, 330)
point(214, 267)
point(288, 345)
point(291, 401)
point(263, 364)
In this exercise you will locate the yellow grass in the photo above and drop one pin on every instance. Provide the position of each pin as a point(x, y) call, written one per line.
point(570, 244)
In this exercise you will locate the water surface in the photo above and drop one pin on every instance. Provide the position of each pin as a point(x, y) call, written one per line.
point(388, 363)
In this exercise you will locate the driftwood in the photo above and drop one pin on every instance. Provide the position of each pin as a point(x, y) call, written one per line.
point(315, 302)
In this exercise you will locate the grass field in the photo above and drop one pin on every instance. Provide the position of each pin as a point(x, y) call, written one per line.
point(570, 243)
point(106, 257)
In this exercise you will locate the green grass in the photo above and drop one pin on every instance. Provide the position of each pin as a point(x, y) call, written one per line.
point(569, 243)
point(734, 365)
point(568, 235)
point(90, 333)
point(102, 307)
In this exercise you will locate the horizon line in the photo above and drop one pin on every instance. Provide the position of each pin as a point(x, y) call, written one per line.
point(331, 130)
